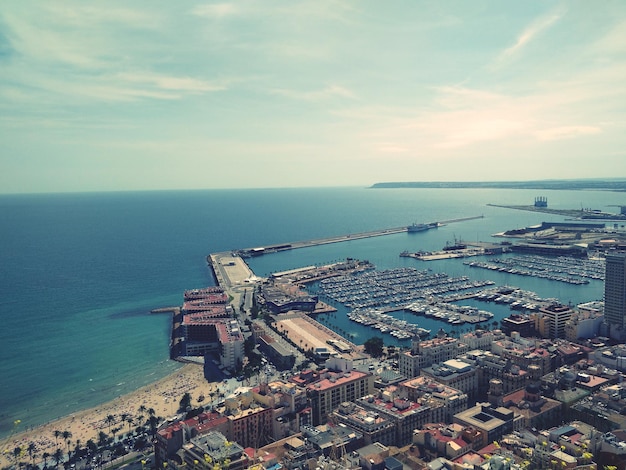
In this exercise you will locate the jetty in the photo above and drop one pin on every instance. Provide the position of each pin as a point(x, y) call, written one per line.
point(257, 251)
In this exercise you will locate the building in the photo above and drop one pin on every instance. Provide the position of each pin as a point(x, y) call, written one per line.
point(333, 388)
point(456, 374)
point(328, 439)
point(526, 352)
point(584, 324)
point(406, 415)
point(374, 426)
point(481, 339)
point(557, 317)
point(531, 409)
point(170, 439)
point(490, 421)
point(520, 323)
point(289, 404)
point(491, 366)
point(204, 452)
point(426, 353)
point(445, 440)
point(231, 342)
point(277, 351)
point(443, 401)
point(615, 293)
point(249, 422)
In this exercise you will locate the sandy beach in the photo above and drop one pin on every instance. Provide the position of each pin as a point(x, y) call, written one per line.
point(162, 396)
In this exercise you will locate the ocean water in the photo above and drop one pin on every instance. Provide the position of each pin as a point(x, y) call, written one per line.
point(79, 273)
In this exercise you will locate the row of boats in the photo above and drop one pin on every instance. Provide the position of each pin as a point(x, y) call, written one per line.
point(517, 299)
point(385, 323)
point(562, 269)
point(393, 287)
point(450, 313)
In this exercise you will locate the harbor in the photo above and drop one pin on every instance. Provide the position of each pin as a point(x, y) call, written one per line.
point(382, 300)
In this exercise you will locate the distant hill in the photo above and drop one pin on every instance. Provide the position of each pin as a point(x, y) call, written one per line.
point(582, 184)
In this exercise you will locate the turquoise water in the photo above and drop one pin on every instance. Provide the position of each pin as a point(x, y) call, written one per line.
point(80, 272)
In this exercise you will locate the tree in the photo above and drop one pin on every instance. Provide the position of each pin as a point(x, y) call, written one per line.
point(77, 448)
point(110, 419)
point(123, 418)
point(185, 402)
point(114, 431)
point(374, 346)
point(153, 421)
point(57, 434)
point(45, 456)
point(66, 437)
point(130, 420)
point(58, 456)
point(31, 451)
point(102, 439)
point(17, 454)
point(92, 446)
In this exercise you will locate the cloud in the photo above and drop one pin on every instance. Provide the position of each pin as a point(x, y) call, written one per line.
point(173, 83)
point(529, 34)
point(566, 132)
point(327, 92)
point(390, 147)
point(215, 10)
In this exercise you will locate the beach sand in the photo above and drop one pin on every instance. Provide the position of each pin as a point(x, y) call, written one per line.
point(162, 396)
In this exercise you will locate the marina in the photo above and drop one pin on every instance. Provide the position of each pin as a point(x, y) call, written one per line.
point(373, 295)
point(393, 288)
point(562, 269)
point(386, 323)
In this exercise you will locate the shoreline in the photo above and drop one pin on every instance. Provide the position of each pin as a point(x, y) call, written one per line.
point(163, 396)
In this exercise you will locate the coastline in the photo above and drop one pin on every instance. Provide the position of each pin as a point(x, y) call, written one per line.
point(162, 396)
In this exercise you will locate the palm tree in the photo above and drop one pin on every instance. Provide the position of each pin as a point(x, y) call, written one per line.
point(154, 421)
point(115, 431)
point(77, 448)
point(92, 446)
point(142, 409)
point(31, 451)
point(130, 420)
point(66, 437)
point(110, 419)
point(45, 456)
point(17, 454)
point(58, 456)
point(57, 434)
point(102, 439)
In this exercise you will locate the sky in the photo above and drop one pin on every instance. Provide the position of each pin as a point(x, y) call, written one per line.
point(145, 95)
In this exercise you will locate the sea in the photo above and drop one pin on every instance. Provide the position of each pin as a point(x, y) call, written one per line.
point(80, 272)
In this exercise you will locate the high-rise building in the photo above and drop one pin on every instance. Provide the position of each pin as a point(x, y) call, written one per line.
point(557, 316)
point(615, 292)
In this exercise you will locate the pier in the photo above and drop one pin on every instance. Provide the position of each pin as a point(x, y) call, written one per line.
point(257, 251)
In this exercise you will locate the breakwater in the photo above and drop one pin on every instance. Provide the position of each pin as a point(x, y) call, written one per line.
point(257, 251)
